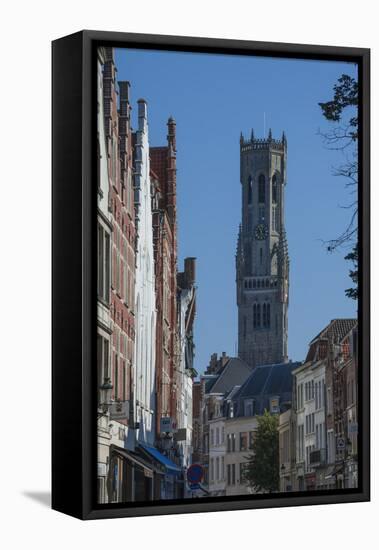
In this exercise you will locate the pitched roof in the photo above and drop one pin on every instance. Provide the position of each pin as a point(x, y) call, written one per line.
point(334, 332)
point(234, 373)
point(264, 382)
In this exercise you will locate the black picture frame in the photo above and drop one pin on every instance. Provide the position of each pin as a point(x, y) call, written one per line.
point(73, 268)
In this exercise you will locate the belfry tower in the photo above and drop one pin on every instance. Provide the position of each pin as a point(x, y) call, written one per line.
point(262, 263)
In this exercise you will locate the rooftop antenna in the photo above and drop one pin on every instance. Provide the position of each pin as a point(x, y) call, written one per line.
point(264, 124)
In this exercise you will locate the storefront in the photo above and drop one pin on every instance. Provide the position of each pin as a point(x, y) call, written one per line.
point(168, 477)
point(130, 478)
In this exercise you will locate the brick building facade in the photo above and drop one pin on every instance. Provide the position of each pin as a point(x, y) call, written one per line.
point(163, 177)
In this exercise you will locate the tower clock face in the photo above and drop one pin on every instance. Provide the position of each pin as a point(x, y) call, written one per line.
point(261, 232)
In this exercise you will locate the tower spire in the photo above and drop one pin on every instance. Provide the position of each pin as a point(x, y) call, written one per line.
point(262, 261)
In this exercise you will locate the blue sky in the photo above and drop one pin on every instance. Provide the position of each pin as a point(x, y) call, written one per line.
point(213, 98)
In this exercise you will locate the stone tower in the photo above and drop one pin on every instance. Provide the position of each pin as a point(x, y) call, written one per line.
point(262, 263)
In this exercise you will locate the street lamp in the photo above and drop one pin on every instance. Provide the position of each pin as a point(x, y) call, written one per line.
point(105, 397)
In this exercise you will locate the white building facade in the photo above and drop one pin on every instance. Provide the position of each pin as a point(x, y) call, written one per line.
point(104, 328)
point(217, 455)
point(145, 308)
point(310, 425)
point(239, 433)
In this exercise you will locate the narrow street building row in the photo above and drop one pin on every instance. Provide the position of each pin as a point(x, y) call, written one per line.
point(145, 305)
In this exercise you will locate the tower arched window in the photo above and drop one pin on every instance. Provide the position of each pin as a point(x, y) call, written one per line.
point(250, 190)
point(274, 189)
point(258, 315)
point(261, 189)
point(255, 315)
point(264, 318)
point(268, 315)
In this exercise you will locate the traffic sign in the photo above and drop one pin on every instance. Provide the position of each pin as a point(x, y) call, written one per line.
point(195, 473)
point(340, 443)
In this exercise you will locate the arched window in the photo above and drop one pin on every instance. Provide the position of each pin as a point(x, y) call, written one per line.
point(261, 188)
point(274, 190)
point(264, 316)
point(255, 315)
point(258, 315)
point(268, 320)
point(250, 190)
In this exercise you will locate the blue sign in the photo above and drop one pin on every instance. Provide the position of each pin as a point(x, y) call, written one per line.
point(195, 473)
point(194, 486)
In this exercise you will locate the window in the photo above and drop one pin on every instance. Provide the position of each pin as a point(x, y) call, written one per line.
point(212, 437)
point(258, 315)
point(243, 469)
point(102, 360)
point(302, 441)
point(274, 190)
point(252, 435)
point(273, 218)
point(249, 191)
point(248, 407)
point(114, 161)
point(123, 381)
point(243, 441)
point(103, 264)
point(217, 436)
point(222, 468)
point(329, 400)
point(300, 396)
point(261, 189)
point(229, 474)
point(115, 385)
point(217, 468)
point(222, 435)
point(266, 315)
point(310, 423)
point(233, 474)
point(212, 469)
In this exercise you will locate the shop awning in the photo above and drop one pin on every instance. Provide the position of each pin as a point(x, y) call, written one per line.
point(170, 467)
point(333, 470)
point(136, 461)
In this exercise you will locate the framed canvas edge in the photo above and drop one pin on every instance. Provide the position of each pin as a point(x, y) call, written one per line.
point(83, 497)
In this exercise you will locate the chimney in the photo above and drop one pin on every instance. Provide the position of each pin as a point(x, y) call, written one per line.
point(124, 87)
point(124, 120)
point(142, 115)
point(190, 270)
point(171, 136)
